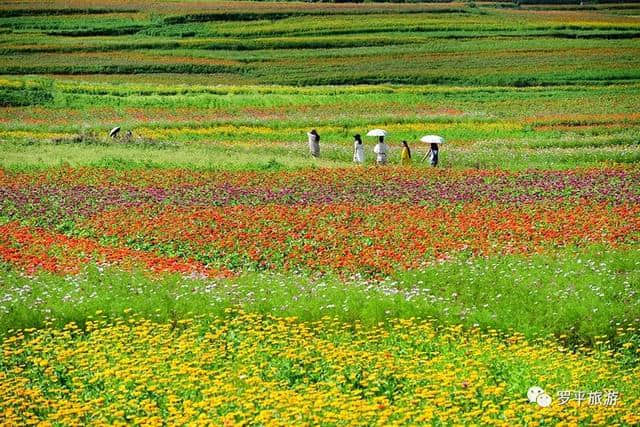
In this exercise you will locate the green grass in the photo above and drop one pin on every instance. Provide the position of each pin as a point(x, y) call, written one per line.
point(317, 45)
point(20, 157)
point(578, 295)
point(236, 85)
point(252, 127)
point(214, 157)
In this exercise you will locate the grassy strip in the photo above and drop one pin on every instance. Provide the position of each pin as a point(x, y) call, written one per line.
point(344, 75)
point(214, 157)
point(246, 156)
point(222, 44)
point(119, 69)
point(10, 13)
point(275, 16)
point(580, 296)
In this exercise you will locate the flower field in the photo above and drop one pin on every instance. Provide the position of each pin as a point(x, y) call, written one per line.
point(342, 221)
point(245, 368)
point(361, 225)
point(228, 85)
point(205, 270)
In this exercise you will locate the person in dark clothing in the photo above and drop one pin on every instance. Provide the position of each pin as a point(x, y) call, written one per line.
point(433, 154)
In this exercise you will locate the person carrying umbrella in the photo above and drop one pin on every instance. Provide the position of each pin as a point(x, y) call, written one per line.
point(314, 143)
point(114, 132)
point(381, 149)
point(435, 142)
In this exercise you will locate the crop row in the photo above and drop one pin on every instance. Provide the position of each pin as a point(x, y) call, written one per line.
point(252, 369)
point(340, 221)
point(486, 68)
point(343, 238)
point(471, 48)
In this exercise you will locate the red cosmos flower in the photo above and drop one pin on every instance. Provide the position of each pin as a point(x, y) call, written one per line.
point(34, 248)
point(259, 229)
point(387, 236)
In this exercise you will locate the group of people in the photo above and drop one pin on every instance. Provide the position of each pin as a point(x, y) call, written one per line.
point(381, 150)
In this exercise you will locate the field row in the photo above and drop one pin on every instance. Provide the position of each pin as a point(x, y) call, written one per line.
point(582, 296)
point(67, 119)
point(206, 241)
point(343, 221)
point(312, 20)
point(73, 102)
point(279, 157)
point(519, 67)
point(248, 368)
point(290, 44)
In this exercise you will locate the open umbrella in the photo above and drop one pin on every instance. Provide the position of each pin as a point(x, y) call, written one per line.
point(377, 132)
point(432, 139)
point(114, 132)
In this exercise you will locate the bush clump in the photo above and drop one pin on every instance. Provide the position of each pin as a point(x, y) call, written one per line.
point(23, 93)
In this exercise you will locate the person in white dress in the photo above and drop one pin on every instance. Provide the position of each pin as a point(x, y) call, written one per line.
point(382, 150)
point(314, 143)
point(358, 150)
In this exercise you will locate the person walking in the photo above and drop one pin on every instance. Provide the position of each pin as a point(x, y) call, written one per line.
point(382, 150)
point(358, 149)
point(314, 143)
point(405, 158)
point(433, 154)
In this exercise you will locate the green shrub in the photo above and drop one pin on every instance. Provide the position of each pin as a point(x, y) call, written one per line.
point(24, 94)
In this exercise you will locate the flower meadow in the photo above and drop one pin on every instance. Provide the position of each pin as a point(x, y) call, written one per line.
point(367, 221)
point(336, 328)
point(236, 85)
point(245, 368)
point(201, 268)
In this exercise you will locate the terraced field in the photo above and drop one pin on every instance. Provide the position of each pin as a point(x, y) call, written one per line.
point(205, 269)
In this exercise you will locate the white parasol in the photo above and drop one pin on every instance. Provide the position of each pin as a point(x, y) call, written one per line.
point(432, 139)
point(377, 132)
point(114, 132)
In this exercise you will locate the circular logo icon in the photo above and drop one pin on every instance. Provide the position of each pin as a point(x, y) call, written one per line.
point(544, 400)
point(533, 393)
